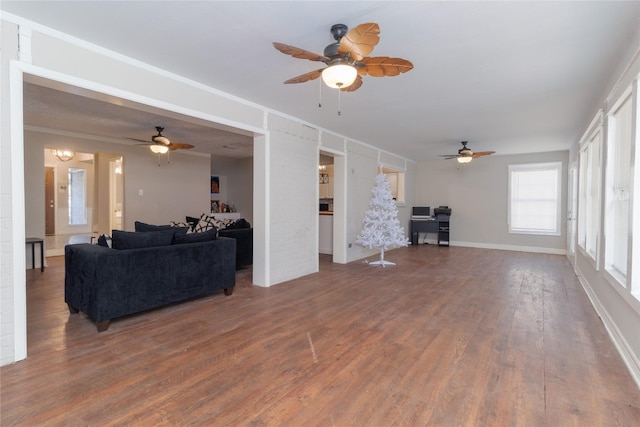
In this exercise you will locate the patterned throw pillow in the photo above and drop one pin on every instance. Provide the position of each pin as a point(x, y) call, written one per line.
point(180, 227)
point(204, 224)
point(221, 224)
point(179, 224)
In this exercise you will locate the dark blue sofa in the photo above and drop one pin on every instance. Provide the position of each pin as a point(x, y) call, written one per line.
point(106, 283)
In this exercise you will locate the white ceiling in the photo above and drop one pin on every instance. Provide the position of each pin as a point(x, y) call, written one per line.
point(514, 77)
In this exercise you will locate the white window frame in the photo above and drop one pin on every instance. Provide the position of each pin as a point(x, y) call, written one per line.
point(530, 167)
point(613, 194)
point(590, 194)
point(635, 205)
point(396, 178)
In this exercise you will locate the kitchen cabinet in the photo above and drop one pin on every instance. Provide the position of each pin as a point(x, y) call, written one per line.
point(325, 234)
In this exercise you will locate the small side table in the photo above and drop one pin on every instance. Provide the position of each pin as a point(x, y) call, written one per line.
point(32, 241)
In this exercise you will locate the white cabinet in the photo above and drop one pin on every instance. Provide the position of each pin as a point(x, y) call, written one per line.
point(226, 215)
point(325, 234)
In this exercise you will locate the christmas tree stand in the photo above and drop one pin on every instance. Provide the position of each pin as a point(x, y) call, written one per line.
point(382, 262)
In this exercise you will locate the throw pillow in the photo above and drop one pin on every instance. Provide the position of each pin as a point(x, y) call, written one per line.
point(179, 224)
point(142, 239)
point(221, 224)
point(104, 240)
point(238, 224)
point(204, 224)
point(141, 226)
point(192, 221)
point(204, 236)
point(180, 229)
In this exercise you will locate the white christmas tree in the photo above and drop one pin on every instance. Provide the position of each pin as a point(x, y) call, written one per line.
point(381, 226)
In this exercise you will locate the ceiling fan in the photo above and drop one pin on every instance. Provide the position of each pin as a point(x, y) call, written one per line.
point(347, 59)
point(160, 144)
point(465, 155)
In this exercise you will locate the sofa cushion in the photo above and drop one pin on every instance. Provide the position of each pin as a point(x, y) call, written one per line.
point(141, 226)
point(204, 236)
point(143, 239)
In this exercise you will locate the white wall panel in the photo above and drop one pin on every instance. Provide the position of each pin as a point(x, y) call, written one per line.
point(293, 204)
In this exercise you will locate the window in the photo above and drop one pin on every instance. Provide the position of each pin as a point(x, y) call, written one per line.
point(618, 188)
point(534, 198)
point(77, 196)
point(589, 199)
point(396, 182)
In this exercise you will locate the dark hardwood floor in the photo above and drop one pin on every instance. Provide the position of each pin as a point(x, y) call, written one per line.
point(448, 337)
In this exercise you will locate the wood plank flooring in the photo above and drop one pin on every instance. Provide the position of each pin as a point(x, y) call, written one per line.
point(448, 337)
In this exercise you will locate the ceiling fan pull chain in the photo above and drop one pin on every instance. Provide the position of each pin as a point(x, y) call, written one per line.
point(320, 93)
point(339, 104)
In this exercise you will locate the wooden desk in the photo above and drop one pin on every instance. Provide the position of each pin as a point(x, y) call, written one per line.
point(32, 241)
point(439, 226)
point(422, 226)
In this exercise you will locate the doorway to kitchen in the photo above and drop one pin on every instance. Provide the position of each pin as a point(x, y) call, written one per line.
point(325, 191)
point(332, 240)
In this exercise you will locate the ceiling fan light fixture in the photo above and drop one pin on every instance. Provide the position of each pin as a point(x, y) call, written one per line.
point(339, 76)
point(158, 148)
point(63, 155)
point(161, 140)
point(464, 159)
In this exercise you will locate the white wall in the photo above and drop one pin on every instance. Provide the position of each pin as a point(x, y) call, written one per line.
point(617, 307)
point(237, 186)
point(293, 207)
point(11, 270)
point(477, 194)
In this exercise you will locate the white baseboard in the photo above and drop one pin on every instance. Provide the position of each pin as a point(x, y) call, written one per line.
point(628, 357)
point(534, 249)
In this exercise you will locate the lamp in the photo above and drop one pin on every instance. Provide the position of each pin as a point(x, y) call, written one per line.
point(158, 148)
point(63, 155)
point(339, 76)
point(464, 159)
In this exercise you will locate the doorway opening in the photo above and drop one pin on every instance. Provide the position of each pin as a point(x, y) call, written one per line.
point(326, 191)
point(83, 196)
point(68, 200)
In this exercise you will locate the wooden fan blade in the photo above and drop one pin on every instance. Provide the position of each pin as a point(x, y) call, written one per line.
point(353, 86)
point(311, 75)
point(383, 66)
point(296, 52)
point(360, 41)
point(179, 146)
point(482, 153)
point(139, 140)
